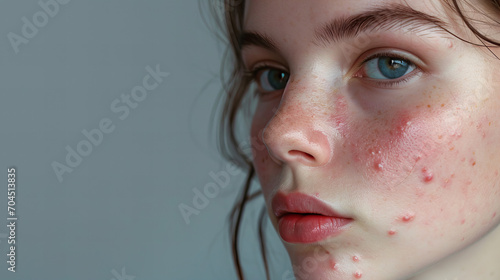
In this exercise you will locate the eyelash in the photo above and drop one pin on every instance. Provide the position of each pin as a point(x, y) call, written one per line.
point(380, 83)
point(255, 71)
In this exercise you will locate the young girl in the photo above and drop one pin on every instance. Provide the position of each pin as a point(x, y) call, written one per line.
point(375, 133)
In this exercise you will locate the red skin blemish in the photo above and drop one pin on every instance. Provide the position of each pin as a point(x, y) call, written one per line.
point(402, 123)
point(463, 221)
point(494, 214)
point(317, 194)
point(378, 165)
point(391, 232)
point(428, 176)
point(333, 265)
point(408, 217)
point(355, 259)
point(358, 275)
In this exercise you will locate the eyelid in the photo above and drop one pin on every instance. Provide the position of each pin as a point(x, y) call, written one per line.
point(254, 69)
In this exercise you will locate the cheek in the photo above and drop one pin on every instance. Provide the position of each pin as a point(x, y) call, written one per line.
point(433, 165)
point(261, 160)
point(388, 149)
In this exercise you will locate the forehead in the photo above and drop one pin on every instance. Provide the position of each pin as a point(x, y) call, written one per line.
point(279, 17)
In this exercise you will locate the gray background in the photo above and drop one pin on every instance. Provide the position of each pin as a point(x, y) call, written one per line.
point(117, 213)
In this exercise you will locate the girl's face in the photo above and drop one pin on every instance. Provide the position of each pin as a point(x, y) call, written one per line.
point(386, 128)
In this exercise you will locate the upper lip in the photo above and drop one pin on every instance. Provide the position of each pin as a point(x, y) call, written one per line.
point(300, 203)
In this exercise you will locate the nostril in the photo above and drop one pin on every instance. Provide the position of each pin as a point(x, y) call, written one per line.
point(296, 153)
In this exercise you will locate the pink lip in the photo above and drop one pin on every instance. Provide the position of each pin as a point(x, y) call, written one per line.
point(306, 219)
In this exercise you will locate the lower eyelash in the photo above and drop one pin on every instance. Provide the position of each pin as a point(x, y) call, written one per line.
point(390, 84)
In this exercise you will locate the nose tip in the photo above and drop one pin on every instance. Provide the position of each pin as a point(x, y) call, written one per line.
point(297, 144)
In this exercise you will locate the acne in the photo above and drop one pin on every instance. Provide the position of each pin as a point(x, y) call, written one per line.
point(355, 259)
point(378, 165)
point(391, 232)
point(333, 265)
point(427, 175)
point(408, 217)
point(391, 142)
point(358, 274)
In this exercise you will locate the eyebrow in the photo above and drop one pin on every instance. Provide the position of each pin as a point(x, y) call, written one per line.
point(257, 39)
point(395, 17)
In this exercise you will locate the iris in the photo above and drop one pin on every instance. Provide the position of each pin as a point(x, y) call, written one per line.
point(273, 79)
point(386, 67)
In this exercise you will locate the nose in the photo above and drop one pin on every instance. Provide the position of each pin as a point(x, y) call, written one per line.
point(299, 134)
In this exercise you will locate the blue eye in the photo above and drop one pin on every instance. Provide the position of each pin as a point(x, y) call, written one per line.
point(270, 79)
point(386, 67)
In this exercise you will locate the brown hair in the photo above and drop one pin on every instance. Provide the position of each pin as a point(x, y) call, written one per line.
point(229, 17)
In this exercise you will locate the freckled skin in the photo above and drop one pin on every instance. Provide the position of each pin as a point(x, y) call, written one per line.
point(418, 162)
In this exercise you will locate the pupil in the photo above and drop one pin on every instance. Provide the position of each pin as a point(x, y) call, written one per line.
point(277, 79)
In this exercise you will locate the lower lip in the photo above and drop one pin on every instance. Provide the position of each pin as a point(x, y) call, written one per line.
point(309, 228)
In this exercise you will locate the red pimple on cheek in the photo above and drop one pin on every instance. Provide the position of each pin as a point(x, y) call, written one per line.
point(358, 275)
point(333, 265)
point(378, 165)
point(355, 259)
point(402, 123)
point(391, 232)
point(408, 217)
point(427, 175)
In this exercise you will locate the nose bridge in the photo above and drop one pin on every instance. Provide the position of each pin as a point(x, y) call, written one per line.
point(300, 131)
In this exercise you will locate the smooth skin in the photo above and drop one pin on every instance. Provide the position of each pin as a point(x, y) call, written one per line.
point(415, 163)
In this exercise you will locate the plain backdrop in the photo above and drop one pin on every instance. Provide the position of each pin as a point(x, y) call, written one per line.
point(116, 214)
